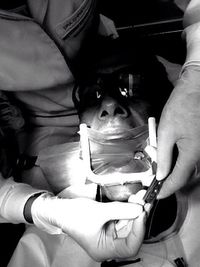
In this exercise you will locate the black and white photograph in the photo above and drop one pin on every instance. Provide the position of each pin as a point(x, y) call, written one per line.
point(100, 133)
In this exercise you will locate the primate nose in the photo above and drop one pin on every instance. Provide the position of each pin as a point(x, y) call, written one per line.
point(111, 108)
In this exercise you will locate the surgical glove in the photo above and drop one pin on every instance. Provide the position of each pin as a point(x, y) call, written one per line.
point(92, 224)
point(180, 125)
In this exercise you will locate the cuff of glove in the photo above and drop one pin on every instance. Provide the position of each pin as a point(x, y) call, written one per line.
point(15, 196)
point(41, 216)
point(190, 69)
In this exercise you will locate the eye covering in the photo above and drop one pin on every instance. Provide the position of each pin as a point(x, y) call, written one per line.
point(122, 85)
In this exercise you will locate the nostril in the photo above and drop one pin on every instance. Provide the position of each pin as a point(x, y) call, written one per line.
point(119, 111)
point(104, 113)
point(113, 112)
point(111, 108)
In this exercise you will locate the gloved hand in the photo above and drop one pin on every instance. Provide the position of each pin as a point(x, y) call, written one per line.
point(92, 224)
point(180, 125)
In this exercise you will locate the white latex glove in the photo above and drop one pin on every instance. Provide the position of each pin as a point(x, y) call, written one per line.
point(180, 119)
point(92, 224)
point(180, 125)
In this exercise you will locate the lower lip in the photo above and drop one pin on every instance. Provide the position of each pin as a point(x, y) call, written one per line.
point(121, 192)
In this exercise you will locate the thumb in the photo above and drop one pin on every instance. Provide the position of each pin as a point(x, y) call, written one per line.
point(119, 211)
point(165, 148)
point(179, 176)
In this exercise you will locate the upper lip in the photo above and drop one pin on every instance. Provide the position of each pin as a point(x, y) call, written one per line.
point(113, 130)
point(114, 126)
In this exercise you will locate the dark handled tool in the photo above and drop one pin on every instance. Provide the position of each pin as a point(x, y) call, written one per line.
point(154, 188)
point(152, 191)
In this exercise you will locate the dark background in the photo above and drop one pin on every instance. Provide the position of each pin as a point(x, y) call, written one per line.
point(159, 22)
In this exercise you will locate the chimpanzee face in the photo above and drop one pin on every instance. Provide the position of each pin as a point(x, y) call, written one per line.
point(113, 103)
point(118, 102)
point(115, 107)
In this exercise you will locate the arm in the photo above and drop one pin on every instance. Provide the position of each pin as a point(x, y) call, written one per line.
point(13, 197)
point(191, 22)
point(180, 120)
point(90, 223)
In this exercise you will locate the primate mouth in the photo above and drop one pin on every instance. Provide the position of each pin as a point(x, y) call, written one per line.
point(119, 192)
point(119, 169)
point(114, 126)
point(135, 176)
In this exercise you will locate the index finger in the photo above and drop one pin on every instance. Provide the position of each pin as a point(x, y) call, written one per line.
point(120, 210)
point(132, 243)
point(166, 142)
point(179, 176)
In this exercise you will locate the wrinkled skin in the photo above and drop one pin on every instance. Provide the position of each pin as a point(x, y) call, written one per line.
point(108, 111)
point(113, 115)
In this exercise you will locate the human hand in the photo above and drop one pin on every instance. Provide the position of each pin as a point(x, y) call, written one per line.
point(92, 224)
point(180, 125)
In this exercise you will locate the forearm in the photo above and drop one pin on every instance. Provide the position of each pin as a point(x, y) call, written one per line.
point(20, 203)
point(192, 13)
point(13, 197)
point(191, 23)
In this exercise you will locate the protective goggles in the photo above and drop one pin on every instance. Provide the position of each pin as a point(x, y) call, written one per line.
point(123, 86)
